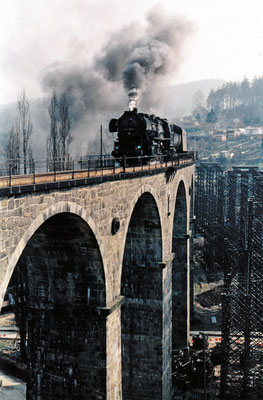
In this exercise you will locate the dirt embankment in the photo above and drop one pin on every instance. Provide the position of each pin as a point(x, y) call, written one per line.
point(208, 286)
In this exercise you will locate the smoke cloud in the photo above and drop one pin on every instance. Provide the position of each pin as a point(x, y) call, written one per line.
point(151, 54)
point(92, 99)
point(136, 62)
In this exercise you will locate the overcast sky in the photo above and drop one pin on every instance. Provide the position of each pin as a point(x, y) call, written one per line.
point(226, 43)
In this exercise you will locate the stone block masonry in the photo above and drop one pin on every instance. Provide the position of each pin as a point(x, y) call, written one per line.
point(104, 301)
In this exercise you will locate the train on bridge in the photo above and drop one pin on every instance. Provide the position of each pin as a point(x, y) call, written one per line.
point(144, 141)
point(144, 135)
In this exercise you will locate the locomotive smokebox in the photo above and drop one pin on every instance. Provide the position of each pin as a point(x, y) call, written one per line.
point(113, 125)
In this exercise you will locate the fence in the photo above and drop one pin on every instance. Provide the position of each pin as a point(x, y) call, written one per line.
point(11, 171)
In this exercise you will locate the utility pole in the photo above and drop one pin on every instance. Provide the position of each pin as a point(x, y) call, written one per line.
point(101, 164)
point(101, 141)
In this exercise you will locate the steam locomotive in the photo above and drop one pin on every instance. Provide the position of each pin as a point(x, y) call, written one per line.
point(146, 135)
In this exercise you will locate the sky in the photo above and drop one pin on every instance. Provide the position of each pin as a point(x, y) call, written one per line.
point(226, 40)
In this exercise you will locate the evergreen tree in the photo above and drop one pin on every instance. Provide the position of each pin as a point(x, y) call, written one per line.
point(211, 117)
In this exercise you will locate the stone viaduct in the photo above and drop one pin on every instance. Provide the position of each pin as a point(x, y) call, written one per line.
point(105, 270)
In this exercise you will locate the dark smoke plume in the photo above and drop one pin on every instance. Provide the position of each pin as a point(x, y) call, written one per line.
point(138, 59)
point(151, 54)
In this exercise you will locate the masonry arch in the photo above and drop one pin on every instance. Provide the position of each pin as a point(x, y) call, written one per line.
point(60, 207)
point(180, 270)
point(63, 297)
point(145, 189)
point(141, 319)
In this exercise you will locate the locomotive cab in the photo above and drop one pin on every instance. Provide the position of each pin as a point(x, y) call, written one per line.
point(180, 133)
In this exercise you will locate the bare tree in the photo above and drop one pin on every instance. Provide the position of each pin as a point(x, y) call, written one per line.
point(13, 149)
point(25, 125)
point(52, 139)
point(31, 160)
point(64, 130)
point(198, 99)
point(59, 138)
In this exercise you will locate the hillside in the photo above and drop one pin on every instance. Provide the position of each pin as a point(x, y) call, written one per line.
point(182, 96)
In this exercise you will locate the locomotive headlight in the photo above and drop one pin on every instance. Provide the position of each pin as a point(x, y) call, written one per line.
point(117, 147)
point(139, 147)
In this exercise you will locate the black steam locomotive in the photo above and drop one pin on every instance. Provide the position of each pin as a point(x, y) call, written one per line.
point(146, 135)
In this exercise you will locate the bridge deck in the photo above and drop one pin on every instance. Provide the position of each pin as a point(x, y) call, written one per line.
point(7, 182)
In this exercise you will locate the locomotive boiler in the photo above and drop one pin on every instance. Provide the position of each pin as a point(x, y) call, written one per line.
point(146, 135)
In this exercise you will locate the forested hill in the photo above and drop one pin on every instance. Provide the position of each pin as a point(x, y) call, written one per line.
point(241, 100)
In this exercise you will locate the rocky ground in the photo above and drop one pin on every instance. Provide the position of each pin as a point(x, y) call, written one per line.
point(207, 308)
point(208, 286)
point(7, 319)
point(11, 388)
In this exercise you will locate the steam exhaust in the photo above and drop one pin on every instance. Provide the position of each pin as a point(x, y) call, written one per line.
point(134, 96)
